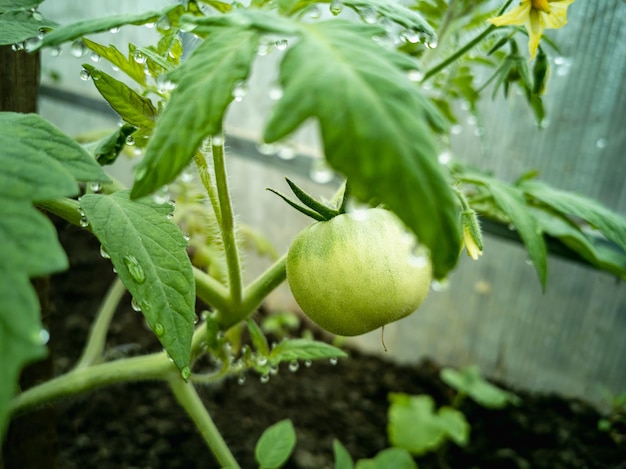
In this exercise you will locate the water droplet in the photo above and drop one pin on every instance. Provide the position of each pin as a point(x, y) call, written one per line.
point(239, 91)
point(84, 74)
point(456, 129)
point(94, 57)
point(164, 84)
point(308, 363)
point(36, 15)
point(114, 30)
point(368, 15)
point(471, 120)
point(314, 12)
point(321, 172)
point(196, 319)
point(161, 196)
point(55, 51)
point(159, 329)
point(164, 24)
point(411, 36)
point(104, 253)
point(150, 25)
point(264, 379)
point(415, 75)
point(432, 44)
point(134, 269)
point(282, 44)
point(336, 6)
point(139, 57)
point(440, 285)
point(78, 48)
point(115, 68)
point(186, 236)
point(135, 305)
point(511, 227)
point(18, 46)
point(419, 257)
point(273, 370)
point(43, 336)
point(602, 143)
point(83, 220)
point(241, 380)
point(333, 361)
point(294, 366)
point(187, 174)
point(261, 360)
point(286, 151)
point(267, 148)
point(32, 43)
point(444, 158)
point(130, 140)
point(185, 373)
point(217, 140)
point(95, 186)
point(275, 92)
point(357, 211)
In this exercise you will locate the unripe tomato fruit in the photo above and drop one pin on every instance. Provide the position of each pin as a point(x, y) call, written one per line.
point(357, 272)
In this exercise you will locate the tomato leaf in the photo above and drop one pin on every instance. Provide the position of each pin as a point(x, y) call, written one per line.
point(196, 108)
point(610, 224)
point(374, 125)
point(126, 64)
point(38, 162)
point(18, 25)
point(149, 253)
point(469, 381)
point(398, 458)
point(343, 460)
point(258, 338)
point(512, 202)
point(12, 5)
point(415, 426)
point(97, 25)
point(130, 105)
point(275, 445)
point(303, 349)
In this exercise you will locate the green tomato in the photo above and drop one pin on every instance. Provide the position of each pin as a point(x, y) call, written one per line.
point(357, 272)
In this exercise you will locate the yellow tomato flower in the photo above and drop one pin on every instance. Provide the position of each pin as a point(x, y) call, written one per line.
point(535, 15)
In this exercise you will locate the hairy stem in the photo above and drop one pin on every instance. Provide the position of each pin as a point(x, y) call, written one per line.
point(188, 398)
point(463, 50)
point(78, 381)
point(97, 336)
point(205, 178)
point(233, 261)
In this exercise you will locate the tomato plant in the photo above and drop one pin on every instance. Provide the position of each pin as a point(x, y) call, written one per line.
point(362, 78)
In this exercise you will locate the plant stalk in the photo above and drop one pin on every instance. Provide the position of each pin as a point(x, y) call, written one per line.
point(205, 178)
point(463, 50)
point(188, 398)
point(233, 260)
point(98, 334)
point(78, 381)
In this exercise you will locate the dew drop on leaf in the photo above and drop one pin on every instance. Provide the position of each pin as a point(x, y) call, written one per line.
point(294, 365)
point(150, 25)
point(32, 43)
point(36, 15)
point(411, 36)
point(321, 172)
point(134, 269)
point(314, 12)
point(282, 44)
point(114, 30)
point(333, 361)
point(185, 373)
point(94, 57)
point(415, 75)
point(241, 380)
point(267, 149)
point(78, 48)
point(239, 91)
point(135, 305)
point(336, 6)
point(164, 24)
point(440, 285)
point(308, 363)
point(44, 336)
point(55, 51)
point(159, 329)
point(18, 46)
point(264, 378)
point(104, 253)
point(368, 15)
point(85, 75)
point(261, 360)
point(161, 196)
point(139, 57)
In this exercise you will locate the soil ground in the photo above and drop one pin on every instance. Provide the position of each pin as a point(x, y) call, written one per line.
point(139, 425)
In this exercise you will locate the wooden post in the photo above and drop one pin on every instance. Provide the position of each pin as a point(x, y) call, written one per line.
point(31, 440)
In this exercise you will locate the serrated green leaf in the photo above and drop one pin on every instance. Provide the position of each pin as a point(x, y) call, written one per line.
point(303, 349)
point(470, 382)
point(258, 338)
point(374, 124)
point(275, 445)
point(594, 249)
point(12, 5)
point(511, 201)
point(130, 105)
point(416, 427)
point(34, 141)
point(343, 460)
point(609, 223)
point(97, 25)
point(17, 26)
point(396, 458)
point(197, 106)
point(126, 64)
point(106, 150)
point(396, 12)
point(149, 253)
point(20, 342)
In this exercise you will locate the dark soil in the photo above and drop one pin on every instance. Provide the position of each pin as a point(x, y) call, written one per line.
point(139, 425)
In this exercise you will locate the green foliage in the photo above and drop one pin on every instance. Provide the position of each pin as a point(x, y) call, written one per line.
point(469, 382)
point(398, 458)
point(303, 349)
point(275, 445)
point(126, 64)
point(343, 460)
point(149, 253)
point(415, 425)
point(37, 162)
point(106, 150)
point(17, 24)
